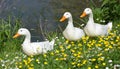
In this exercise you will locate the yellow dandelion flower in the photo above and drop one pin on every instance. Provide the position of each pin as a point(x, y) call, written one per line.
point(72, 50)
point(106, 38)
point(116, 40)
point(31, 56)
point(87, 37)
point(62, 59)
point(57, 51)
point(89, 48)
point(45, 63)
point(106, 49)
point(67, 41)
point(100, 54)
point(84, 41)
point(52, 53)
point(118, 37)
point(103, 64)
point(78, 56)
point(79, 44)
point(31, 65)
point(56, 59)
point(111, 34)
point(101, 58)
point(96, 66)
point(25, 61)
point(20, 66)
point(114, 31)
point(83, 38)
point(110, 47)
point(78, 64)
point(69, 46)
point(98, 45)
point(73, 63)
point(88, 45)
point(37, 60)
point(72, 42)
point(92, 43)
point(45, 55)
point(65, 55)
point(118, 43)
point(29, 60)
point(106, 43)
point(112, 42)
point(30, 68)
point(101, 39)
point(89, 41)
point(62, 50)
point(75, 54)
point(79, 52)
point(81, 49)
point(93, 59)
point(89, 68)
point(118, 25)
point(20, 63)
point(61, 46)
point(16, 63)
point(84, 61)
point(109, 37)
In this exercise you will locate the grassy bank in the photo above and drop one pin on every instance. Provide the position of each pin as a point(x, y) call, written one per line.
point(88, 53)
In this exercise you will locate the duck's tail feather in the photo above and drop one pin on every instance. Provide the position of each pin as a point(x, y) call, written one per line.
point(109, 26)
point(52, 44)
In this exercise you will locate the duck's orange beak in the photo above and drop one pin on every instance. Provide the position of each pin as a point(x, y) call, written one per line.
point(83, 15)
point(16, 35)
point(63, 19)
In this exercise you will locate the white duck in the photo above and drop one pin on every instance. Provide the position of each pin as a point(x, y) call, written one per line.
point(71, 33)
point(94, 29)
point(33, 48)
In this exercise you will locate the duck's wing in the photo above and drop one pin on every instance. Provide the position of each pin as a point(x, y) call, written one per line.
point(45, 44)
point(78, 30)
point(51, 44)
point(101, 29)
point(109, 26)
point(40, 47)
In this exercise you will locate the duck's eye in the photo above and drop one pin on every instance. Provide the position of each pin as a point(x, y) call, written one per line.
point(20, 30)
point(66, 14)
point(87, 9)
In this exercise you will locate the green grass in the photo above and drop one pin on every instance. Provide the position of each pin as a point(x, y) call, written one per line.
point(87, 53)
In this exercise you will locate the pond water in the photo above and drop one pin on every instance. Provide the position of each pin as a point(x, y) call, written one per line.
point(43, 14)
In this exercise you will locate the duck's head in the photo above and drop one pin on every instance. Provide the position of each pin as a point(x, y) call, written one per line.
point(86, 12)
point(21, 31)
point(65, 16)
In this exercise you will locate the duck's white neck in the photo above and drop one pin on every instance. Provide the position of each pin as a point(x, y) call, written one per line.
point(70, 22)
point(91, 20)
point(27, 39)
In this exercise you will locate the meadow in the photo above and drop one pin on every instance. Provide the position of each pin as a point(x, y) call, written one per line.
point(102, 52)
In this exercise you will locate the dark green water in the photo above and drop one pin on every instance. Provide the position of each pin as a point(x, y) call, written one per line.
point(43, 13)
